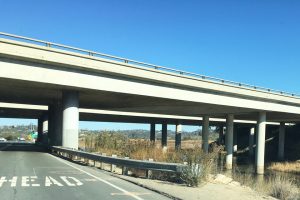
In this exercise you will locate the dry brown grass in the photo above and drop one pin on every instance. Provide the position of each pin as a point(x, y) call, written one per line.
point(140, 149)
point(278, 186)
point(199, 164)
point(283, 188)
point(291, 167)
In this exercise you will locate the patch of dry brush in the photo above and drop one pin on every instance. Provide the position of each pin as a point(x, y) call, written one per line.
point(291, 167)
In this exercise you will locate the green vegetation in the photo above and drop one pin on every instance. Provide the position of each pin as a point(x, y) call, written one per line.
point(13, 132)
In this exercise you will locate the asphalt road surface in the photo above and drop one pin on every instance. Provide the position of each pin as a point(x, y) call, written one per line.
point(42, 176)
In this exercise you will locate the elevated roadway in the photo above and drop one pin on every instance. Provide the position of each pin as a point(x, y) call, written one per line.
point(67, 79)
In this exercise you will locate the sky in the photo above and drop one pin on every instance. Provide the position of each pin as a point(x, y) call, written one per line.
point(255, 42)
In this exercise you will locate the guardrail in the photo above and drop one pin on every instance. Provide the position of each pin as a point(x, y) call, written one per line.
point(125, 163)
point(134, 62)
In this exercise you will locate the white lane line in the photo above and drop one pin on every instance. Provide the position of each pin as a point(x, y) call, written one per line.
point(34, 172)
point(100, 179)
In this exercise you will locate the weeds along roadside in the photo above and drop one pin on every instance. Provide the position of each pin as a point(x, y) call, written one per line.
point(280, 186)
point(199, 164)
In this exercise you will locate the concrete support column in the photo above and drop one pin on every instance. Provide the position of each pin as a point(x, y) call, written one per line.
point(281, 139)
point(261, 136)
point(229, 140)
point(251, 141)
point(164, 135)
point(152, 132)
point(235, 138)
point(178, 137)
point(221, 134)
point(55, 124)
point(45, 129)
point(40, 130)
point(70, 119)
point(205, 133)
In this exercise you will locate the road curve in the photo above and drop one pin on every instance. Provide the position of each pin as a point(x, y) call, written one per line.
point(41, 176)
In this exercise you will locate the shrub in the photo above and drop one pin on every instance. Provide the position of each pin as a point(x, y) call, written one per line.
point(10, 137)
point(199, 165)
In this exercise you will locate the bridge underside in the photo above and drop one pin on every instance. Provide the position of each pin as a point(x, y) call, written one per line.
point(13, 91)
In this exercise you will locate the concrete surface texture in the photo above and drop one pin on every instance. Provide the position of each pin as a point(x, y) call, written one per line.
point(217, 190)
point(37, 175)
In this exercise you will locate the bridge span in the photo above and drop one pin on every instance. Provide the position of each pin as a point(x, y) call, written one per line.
point(72, 82)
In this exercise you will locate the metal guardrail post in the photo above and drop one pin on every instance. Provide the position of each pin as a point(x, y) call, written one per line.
point(85, 160)
point(149, 172)
point(112, 166)
point(102, 164)
point(124, 168)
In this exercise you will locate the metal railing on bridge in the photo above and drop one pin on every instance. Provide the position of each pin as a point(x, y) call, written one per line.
point(142, 64)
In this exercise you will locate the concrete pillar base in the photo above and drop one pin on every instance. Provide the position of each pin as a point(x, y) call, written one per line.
point(260, 170)
point(228, 166)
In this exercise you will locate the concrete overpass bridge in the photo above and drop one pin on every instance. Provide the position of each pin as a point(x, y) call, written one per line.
point(67, 79)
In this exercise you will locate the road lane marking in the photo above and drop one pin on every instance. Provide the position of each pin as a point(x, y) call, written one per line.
point(135, 193)
point(34, 172)
point(51, 181)
point(32, 181)
point(2, 180)
point(13, 181)
point(100, 179)
point(66, 180)
point(89, 180)
point(25, 180)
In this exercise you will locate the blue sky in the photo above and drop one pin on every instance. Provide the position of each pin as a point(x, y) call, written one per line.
point(255, 42)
